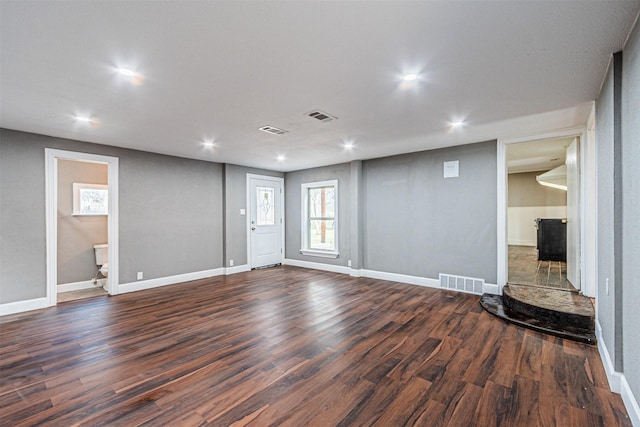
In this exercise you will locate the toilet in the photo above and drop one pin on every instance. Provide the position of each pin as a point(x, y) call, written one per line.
point(102, 258)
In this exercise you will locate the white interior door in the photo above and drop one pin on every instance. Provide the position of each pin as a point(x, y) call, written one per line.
point(265, 221)
point(573, 214)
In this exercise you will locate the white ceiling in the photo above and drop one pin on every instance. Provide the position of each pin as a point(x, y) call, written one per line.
point(220, 70)
point(533, 156)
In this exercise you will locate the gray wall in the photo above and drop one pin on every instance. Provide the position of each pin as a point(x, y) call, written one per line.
point(22, 217)
point(524, 190)
point(606, 268)
point(618, 157)
point(399, 215)
point(421, 224)
point(235, 184)
point(170, 213)
point(78, 234)
point(631, 209)
point(293, 235)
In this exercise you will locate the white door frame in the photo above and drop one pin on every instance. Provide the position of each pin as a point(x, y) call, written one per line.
point(589, 212)
point(51, 202)
point(503, 254)
point(574, 211)
point(248, 201)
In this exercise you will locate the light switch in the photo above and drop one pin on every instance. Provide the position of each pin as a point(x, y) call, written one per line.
point(243, 212)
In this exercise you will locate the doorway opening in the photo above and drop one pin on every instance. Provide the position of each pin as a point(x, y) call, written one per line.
point(553, 300)
point(81, 226)
point(541, 209)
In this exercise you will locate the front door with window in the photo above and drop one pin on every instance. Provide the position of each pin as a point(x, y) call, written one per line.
point(265, 221)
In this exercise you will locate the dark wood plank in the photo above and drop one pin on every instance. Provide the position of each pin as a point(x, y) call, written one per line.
point(288, 346)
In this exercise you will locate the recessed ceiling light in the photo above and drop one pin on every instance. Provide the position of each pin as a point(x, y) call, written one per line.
point(207, 143)
point(126, 72)
point(130, 75)
point(348, 145)
point(94, 122)
point(410, 77)
point(83, 119)
point(457, 124)
point(281, 158)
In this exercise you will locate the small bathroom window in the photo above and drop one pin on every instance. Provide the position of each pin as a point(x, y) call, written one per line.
point(90, 199)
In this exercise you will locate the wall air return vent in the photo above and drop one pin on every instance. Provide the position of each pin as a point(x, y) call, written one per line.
point(470, 285)
point(321, 115)
point(273, 130)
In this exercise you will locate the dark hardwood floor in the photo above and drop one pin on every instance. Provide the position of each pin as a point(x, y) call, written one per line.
point(290, 347)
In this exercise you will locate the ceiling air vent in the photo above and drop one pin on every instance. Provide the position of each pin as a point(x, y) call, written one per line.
point(321, 115)
point(273, 130)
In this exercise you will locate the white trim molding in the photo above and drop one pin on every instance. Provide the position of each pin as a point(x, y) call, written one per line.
point(612, 375)
point(169, 280)
point(502, 248)
point(76, 286)
point(630, 401)
point(372, 274)
point(51, 223)
point(491, 288)
point(617, 381)
point(402, 278)
point(559, 133)
point(523, 242)
point(355, 272)
point(319, 254)
point(236, 269)
point(21, 306)
point(305, 244)
point(318, 266)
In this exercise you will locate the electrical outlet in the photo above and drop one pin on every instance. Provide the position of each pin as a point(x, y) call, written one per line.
point(140, 275)
point(606, 285)
point(230, 263)
point(349, 263)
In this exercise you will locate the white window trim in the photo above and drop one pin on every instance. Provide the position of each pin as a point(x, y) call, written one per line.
point(305, 213)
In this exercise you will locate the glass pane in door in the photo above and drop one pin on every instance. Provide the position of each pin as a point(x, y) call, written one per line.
point(265, 206)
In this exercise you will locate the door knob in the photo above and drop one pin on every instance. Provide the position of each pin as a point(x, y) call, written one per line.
point(253, 228)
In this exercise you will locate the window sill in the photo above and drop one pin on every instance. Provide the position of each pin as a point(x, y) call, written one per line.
point(81, 214)
point(321, 254)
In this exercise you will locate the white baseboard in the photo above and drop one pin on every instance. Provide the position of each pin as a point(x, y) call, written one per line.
point(617, 381)
point(518, 242)
point(236, 269)
point(355, 272)
point(20, 306)
point(76, 286)
point(613, 376)
point(630, 402)
point(382, 275)
point(490, 288)
point(402, 278)
point(169, 280)
point(318, 266)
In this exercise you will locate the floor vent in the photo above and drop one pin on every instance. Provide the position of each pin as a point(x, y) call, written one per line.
point(321, 115)
point(273, 130)
point(460, 283)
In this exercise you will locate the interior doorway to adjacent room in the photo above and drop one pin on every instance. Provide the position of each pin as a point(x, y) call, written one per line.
point(542, 213)
point(71, 204)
